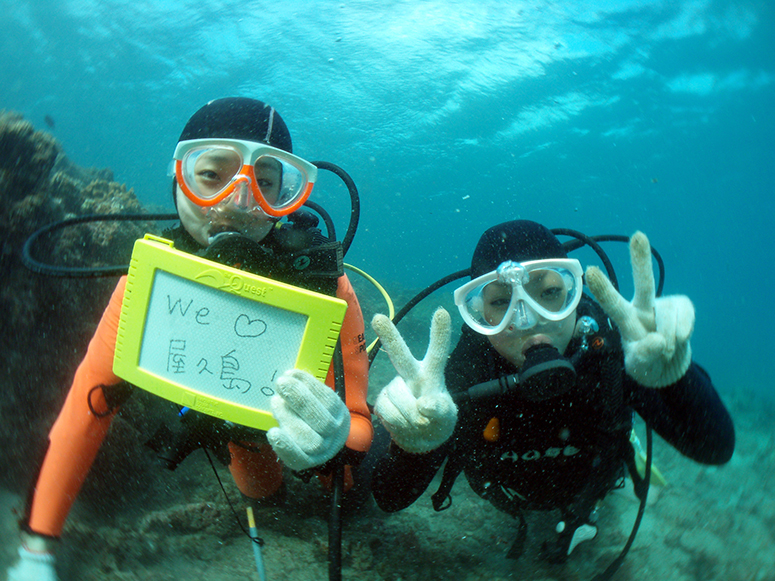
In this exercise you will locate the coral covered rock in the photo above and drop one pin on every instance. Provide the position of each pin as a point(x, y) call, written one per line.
point(48, 321)
point(26, 157)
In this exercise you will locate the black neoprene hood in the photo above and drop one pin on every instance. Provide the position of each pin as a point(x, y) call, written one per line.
point(239, 118)
point(518, 240)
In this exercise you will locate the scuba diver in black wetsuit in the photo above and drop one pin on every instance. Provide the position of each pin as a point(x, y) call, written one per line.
point(535, 403)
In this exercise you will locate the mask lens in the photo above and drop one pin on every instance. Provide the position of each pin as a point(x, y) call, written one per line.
point(281, 183)
point(489, 303)
point(207, 171)
point(551, 288)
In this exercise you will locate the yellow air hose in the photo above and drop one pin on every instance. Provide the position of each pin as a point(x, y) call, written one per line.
point(382, 291)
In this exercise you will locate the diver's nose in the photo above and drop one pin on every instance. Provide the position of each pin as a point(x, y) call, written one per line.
point(241, 196)
point(524, 317)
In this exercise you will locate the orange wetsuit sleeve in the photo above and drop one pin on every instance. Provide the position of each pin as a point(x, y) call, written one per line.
point(356, 369)
point(77, 433)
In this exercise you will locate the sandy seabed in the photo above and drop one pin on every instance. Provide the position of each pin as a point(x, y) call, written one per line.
point(708, 523)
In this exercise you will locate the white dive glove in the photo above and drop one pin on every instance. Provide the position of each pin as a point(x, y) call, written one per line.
point(655, 332)
point(416, 407)
point(36, 561)
point(314, 422)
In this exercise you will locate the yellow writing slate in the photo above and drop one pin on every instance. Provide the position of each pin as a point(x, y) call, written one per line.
point(214, 338)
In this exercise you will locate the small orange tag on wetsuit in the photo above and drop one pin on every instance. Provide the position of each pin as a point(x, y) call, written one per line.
point(493, 430)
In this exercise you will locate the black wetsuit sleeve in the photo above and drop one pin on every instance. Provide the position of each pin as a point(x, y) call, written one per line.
point(401, 477)
point(689, 415)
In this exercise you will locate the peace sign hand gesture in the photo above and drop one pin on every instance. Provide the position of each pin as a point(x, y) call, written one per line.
point(655, 331)
point(416, 407)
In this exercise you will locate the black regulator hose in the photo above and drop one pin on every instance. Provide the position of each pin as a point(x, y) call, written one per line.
point(82, 272)
point(320, 211)
point(29, 260)
point(581, 240)
point(592, 242)
point(544, 374)
point(416, 299)
point(355, 202)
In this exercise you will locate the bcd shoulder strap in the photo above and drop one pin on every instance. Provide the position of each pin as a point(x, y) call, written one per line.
point(442, 499)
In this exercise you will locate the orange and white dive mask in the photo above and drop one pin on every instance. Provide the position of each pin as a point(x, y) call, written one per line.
point(210, 170)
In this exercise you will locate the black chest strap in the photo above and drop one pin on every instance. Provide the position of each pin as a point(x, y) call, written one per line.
point(442, 499)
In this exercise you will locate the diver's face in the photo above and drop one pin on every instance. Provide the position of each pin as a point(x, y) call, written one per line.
point(512, 346)
point(239, 212)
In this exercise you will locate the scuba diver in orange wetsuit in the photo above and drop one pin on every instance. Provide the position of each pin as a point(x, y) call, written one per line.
point(235, 179)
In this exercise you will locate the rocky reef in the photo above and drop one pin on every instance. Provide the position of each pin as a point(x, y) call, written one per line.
point(47, 321)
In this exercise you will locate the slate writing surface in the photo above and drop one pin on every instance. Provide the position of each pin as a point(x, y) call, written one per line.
point(217, 343)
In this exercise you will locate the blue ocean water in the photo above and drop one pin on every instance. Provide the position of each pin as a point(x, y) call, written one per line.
point(453, 116)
